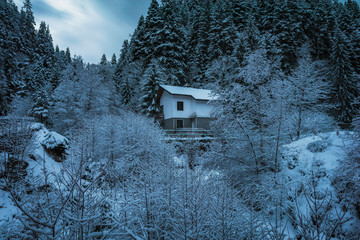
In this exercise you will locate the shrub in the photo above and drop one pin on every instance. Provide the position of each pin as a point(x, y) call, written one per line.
point(317, 146)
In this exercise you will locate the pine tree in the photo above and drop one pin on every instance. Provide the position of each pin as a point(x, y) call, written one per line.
point(344, 89)
point(241, 10)
point(40, 109)
point(3, 87)
point(252, 34)
point(123, 62)
point(153, 24)
point(103, 60)
point(288, 31)
point(68, 55)
point(198, 42)
point(125, 55)
point(169, 49)
point(222, 35)
point(150, 87)
point(113, 60)
point(44, 50)
point(28, 28)
point(126, 91)
point(319, 28)
point(137, 47)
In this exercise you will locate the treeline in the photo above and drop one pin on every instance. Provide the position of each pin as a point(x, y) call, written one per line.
point(205, 43)
point(28, 59)
point(42, 81)
point(187, 43)
point(282, 69)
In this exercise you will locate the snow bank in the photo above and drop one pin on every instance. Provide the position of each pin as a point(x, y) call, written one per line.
point(53, 140)
point(315, 157)
point(39, 161)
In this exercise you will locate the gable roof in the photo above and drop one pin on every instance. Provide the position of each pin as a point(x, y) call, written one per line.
point(198, 94)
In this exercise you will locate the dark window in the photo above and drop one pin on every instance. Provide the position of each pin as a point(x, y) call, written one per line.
point(180, 106)
point(179, 123)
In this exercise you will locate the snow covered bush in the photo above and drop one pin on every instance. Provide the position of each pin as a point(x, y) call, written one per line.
point(56, 145)
point(317, 146)
point(347, 179)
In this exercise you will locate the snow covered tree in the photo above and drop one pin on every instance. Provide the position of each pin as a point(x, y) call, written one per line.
point(247, 116)
point(169, 48)
point(44, 50)
point(222, 32)
point(153, 23)
point(113, 60)
point(347, 176)
point(68, 55)
point(308, 90)
point(343, 79)
point(152, 79)
point(137, 42)
point(241, 11)
point(319, 27)
point(315, 211)
point(103, 60)
point(198, 42)
point(41, 106)
point(27, 26)
point(80, 94)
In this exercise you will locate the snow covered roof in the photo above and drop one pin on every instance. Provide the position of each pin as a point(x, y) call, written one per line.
point(198, 94)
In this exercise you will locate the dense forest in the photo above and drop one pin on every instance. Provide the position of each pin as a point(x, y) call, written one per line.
point(283, 70)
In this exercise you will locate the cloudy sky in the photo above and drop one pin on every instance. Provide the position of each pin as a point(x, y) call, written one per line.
point(89, 27)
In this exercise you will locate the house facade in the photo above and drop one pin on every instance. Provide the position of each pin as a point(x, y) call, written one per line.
point(184, 107)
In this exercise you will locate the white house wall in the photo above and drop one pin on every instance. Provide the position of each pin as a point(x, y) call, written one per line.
point(166, 101)
point(201, 108)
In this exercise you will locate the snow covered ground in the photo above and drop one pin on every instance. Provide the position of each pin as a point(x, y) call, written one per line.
point(38, 160)
point(314, 159)
point(302, 160)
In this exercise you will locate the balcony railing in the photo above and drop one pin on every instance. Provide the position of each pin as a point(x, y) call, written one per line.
point(182, 133)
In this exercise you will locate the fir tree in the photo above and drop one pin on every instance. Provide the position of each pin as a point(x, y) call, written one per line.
point(150, 87)
point(169, 50)
point(68, 55)
point(40, 109)
point(319, 27)
point(44, 50)
point(153, 24)
point(103, 60)
point(113, 60)
point(126, 91)
point(241, 10)
point(28, 28)
point(223, 32)
point(198, 42)
point(138, 51)
point(344, 90)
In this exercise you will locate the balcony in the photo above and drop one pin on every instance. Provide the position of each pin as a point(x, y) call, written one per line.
point(188, 133)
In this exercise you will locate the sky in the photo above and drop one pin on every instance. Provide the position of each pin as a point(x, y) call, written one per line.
point(89, 28)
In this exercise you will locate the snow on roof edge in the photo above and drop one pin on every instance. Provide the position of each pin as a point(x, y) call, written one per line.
point(196, 93)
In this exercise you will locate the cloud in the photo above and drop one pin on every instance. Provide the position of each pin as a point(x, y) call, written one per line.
point(89, 27)
point(81, 26)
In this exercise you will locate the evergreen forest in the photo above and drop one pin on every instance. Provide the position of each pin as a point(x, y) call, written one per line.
point(82, 157)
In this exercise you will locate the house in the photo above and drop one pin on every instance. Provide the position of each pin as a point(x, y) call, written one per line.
point(184, 107)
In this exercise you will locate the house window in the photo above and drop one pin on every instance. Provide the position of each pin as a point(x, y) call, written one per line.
point(180, 106)
point(179, 123)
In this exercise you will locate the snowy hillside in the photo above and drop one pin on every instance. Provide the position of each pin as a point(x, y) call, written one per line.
point(309, 165)
point(310, 204)
point(38, 160)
